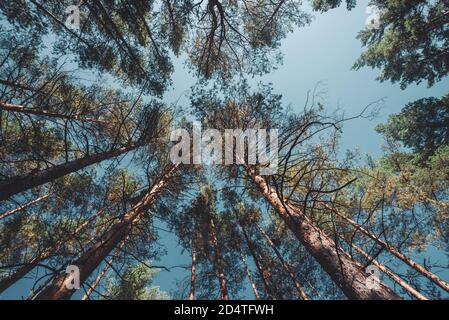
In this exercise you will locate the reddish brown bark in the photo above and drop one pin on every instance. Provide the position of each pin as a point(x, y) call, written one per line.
point(345, 272)
point(250, 277)
point(301, 293)
point(47, 253)
point(50, 114)
point(193, 273)
point(23, 207)
point(429, 275)
point(219, 263)
point(92, 258)
point(20, 184)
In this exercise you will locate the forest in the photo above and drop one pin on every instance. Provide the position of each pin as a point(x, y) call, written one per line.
point(96, 193)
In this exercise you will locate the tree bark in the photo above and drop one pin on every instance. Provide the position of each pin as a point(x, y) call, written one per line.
point(219, 263)
point(302, 294)
point(393, 276)
point(255, 259)
point(23, 207)
point(346, 273)
point(19, 184)
point(429, 275)
point(250, 277)
point(50, 114)
point(193, 273)
point(102, 273)
point(47, 253)
point(92, 258)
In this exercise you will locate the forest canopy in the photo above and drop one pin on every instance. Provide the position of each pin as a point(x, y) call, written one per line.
point(87, 177)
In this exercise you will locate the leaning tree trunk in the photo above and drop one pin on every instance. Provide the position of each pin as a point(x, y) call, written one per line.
point(103, 272)
point(47, 253)
point(393, 276)
point(250, 277)
point(193, 273)
point(347, 274)
point(23, 206)
point(50, 114)
point(19, 184)
point(302, 294)
point(92, 258)
point(253, 253)
point(417, 267)
point(219, 263)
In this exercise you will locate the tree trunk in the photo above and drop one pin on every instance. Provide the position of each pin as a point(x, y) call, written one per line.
point(255, 258)
point(23, 207)
point(250, 277)
point(393, 276)
point(47, 253)
point(19, 184)
point(102, 273)
point(302, 294)
point(92, 258)
point(219, 263)
point(193, 273)
point(50, 114)
point(429, 275)
point(346, 273)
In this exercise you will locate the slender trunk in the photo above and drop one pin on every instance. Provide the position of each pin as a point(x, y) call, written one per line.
point(219, 263)
point(250, 277)
point(23, 207)
point(346, 273)
point(50, 114)
point(193, 273)
point(302, 294)
point(429, 275)
point(103, 272)
point(92, 258)
point(252, 251)
point(393, 276)
point(47, 253)
point(19, 184)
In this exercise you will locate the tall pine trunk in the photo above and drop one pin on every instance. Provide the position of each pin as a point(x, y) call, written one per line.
point(219, 263)
point(92, 258)
point(417, 267)
point(347, 274)
point(193, 273)
point(250, 277)
point(20, 184)
point(301, 293)
point(46, 113)
point(47, 253)
point(24, 206)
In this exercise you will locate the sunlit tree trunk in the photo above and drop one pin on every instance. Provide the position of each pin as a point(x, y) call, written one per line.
point(193, 273)
point(92, 258)
point(219, 263)
point(20, 184)
point(301, 293)
point(346, 273)
point(250, 277)
point(23, 207)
